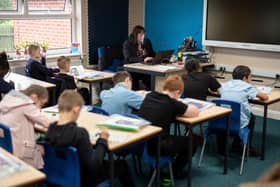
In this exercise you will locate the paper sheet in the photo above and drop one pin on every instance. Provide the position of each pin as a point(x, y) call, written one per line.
point(118, 137)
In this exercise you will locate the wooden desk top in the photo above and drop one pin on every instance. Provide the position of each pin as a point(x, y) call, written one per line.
point(103, 76)
point(22, 82)
point(169, 68)
point(205, 115)
point(273, 97)
point(260, 184)
point(88, 120)
point(27, 176)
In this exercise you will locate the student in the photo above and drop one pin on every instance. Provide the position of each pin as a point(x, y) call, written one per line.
point(240, 90)
point(198, 84)
point(121, 99)
point(5, 86)
point(20, 111)
point(162, 109)
point(138, 48)
point(36, 65)
point(68, 81)
point(94, 169)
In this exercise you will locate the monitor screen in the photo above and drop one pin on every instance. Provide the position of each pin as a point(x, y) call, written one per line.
point(242, 21)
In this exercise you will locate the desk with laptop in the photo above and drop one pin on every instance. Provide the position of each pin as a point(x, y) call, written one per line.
point(159, 68)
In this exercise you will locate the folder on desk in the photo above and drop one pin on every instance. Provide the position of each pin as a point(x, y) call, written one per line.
point(201, 105)
point(124, 123)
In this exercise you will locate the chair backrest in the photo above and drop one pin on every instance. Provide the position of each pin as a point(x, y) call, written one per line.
point(60, 85)
point(62, 166)
point(235, 122)
point(151, 160)
point(106, 56)
point(5, 138)
point(98, 110)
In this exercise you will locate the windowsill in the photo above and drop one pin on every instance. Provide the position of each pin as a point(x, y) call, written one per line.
point(49, 57)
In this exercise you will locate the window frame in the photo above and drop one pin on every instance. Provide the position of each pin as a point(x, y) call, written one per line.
point(23, 13)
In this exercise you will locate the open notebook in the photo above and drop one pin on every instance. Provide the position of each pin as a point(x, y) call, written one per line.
point(120, 122)
point(80, 73)
point(201, 105)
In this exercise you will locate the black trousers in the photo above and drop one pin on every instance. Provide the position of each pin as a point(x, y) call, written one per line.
point(175, 146)
point(141, 81)
point(121, 171)
point(85, 94)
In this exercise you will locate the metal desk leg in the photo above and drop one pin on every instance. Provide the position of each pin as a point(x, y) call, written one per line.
point(226, 147)
point(190, 158)
point(111, 173)
point(264, 131)
point(53, 96)
point(90, 93)
point(100, 86)
point(153, 82)
point(157, 162)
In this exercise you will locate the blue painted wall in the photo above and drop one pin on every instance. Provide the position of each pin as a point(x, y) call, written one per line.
point(168, 22)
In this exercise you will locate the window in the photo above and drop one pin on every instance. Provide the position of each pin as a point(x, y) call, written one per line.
point(8, 5)
point(35, 21)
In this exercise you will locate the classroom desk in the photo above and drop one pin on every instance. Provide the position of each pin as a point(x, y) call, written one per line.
point(88, 121)
point(158, 72)
point(22, 82)
point(274, 97)
point(27, 176)
point(100, 77)
point(155, 71)
point(206, 115)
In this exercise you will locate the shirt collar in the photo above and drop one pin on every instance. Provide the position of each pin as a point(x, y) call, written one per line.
point(121, 84)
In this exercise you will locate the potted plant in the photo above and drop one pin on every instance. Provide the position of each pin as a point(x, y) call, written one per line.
point(17, 47)
point(44, 45)
point(25, 45)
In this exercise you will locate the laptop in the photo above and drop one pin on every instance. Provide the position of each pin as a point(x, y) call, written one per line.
point(162, 57)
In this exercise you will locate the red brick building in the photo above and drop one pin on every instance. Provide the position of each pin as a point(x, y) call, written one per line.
point(57, 32)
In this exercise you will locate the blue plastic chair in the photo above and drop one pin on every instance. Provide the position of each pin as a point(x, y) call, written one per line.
point(5, 138)
point(151, 161)
point(218, 126)
point(62, 166)
point(98, 110)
